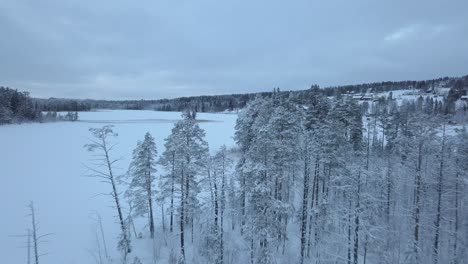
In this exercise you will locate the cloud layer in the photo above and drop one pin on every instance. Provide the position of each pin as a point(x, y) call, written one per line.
point(151, 49)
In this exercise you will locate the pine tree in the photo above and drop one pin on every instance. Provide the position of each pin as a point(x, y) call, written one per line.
point(185, 156)
point(102, 145)
point(220, 168)
point(142, 175)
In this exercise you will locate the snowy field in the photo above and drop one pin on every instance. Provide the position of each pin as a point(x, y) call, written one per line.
point(45, 163)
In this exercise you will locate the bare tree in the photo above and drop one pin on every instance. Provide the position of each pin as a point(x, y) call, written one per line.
point(102, 146)
point(33, 234)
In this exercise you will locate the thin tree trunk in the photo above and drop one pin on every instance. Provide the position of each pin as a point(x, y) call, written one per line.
point(187, 189)
point(191, 229)
point(115, 194)
point(252, 251)
point(216, 206)
point(243, 203)
point(439, 199)
point(34, 234)
point(455, 257)
point(417, 202)
point(314, 195)
point(305, 200)
point(150, 205)
point(163, 218)
point(182, 219)
point(349, 232)
point(356, 220)
point(172, 193)
point(223, 206)
point(389, 189)
point(133, 226)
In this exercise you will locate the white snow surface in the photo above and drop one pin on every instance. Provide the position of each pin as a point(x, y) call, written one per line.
point(45, 163)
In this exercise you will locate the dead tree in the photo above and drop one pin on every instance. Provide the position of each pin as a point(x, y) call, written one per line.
point(33, 234)
point(102, 146)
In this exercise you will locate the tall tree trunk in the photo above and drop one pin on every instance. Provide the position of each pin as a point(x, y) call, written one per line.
point(182, 217)
point(243, 196)
point(305, 201)
point(349, 231)
point(356, 220)
point(172, 192)
point(216, 205)
point(223, 206)
point(187, 198)
point(191, 229)
point(163, 218)
point(115, 194)
point(389, 188)
point(439, 199)
point(150, 205)
point(34, 233)
point(417, 201)
point(312, 204)
point(252, 251)
point(455, 256)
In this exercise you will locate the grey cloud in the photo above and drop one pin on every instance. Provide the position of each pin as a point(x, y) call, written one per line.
point(152, 49)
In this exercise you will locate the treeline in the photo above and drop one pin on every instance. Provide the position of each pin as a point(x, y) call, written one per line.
point(214, 103)
point(428, 105)
point(61, 105)
point(19, 107)
point(325, 181)
point(234, 102)
point(378, 87)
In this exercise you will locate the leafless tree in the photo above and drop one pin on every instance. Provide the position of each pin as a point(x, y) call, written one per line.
point(103, 169)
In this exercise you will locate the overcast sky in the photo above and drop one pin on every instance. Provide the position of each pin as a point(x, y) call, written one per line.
point(117, 49)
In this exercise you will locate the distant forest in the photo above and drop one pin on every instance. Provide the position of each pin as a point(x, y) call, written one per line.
point(16, 106)
point(19, 107)
point(233, 102)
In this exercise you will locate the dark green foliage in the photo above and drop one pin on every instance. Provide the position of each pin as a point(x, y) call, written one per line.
point(16, 107)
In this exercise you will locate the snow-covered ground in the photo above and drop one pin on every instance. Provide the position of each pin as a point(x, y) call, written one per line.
point(45, 163)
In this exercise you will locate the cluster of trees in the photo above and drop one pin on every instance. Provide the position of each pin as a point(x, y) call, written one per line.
point(326, 181)
point(214, 103)
point(54, 116)
point(234, 102)
point(185, 155)
point(425, 85)
point(16, 106)
point(440, 106)
point(61, 105)
point(386, 190)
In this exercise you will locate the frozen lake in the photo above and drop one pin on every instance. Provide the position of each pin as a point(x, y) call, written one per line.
point(45, 163)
